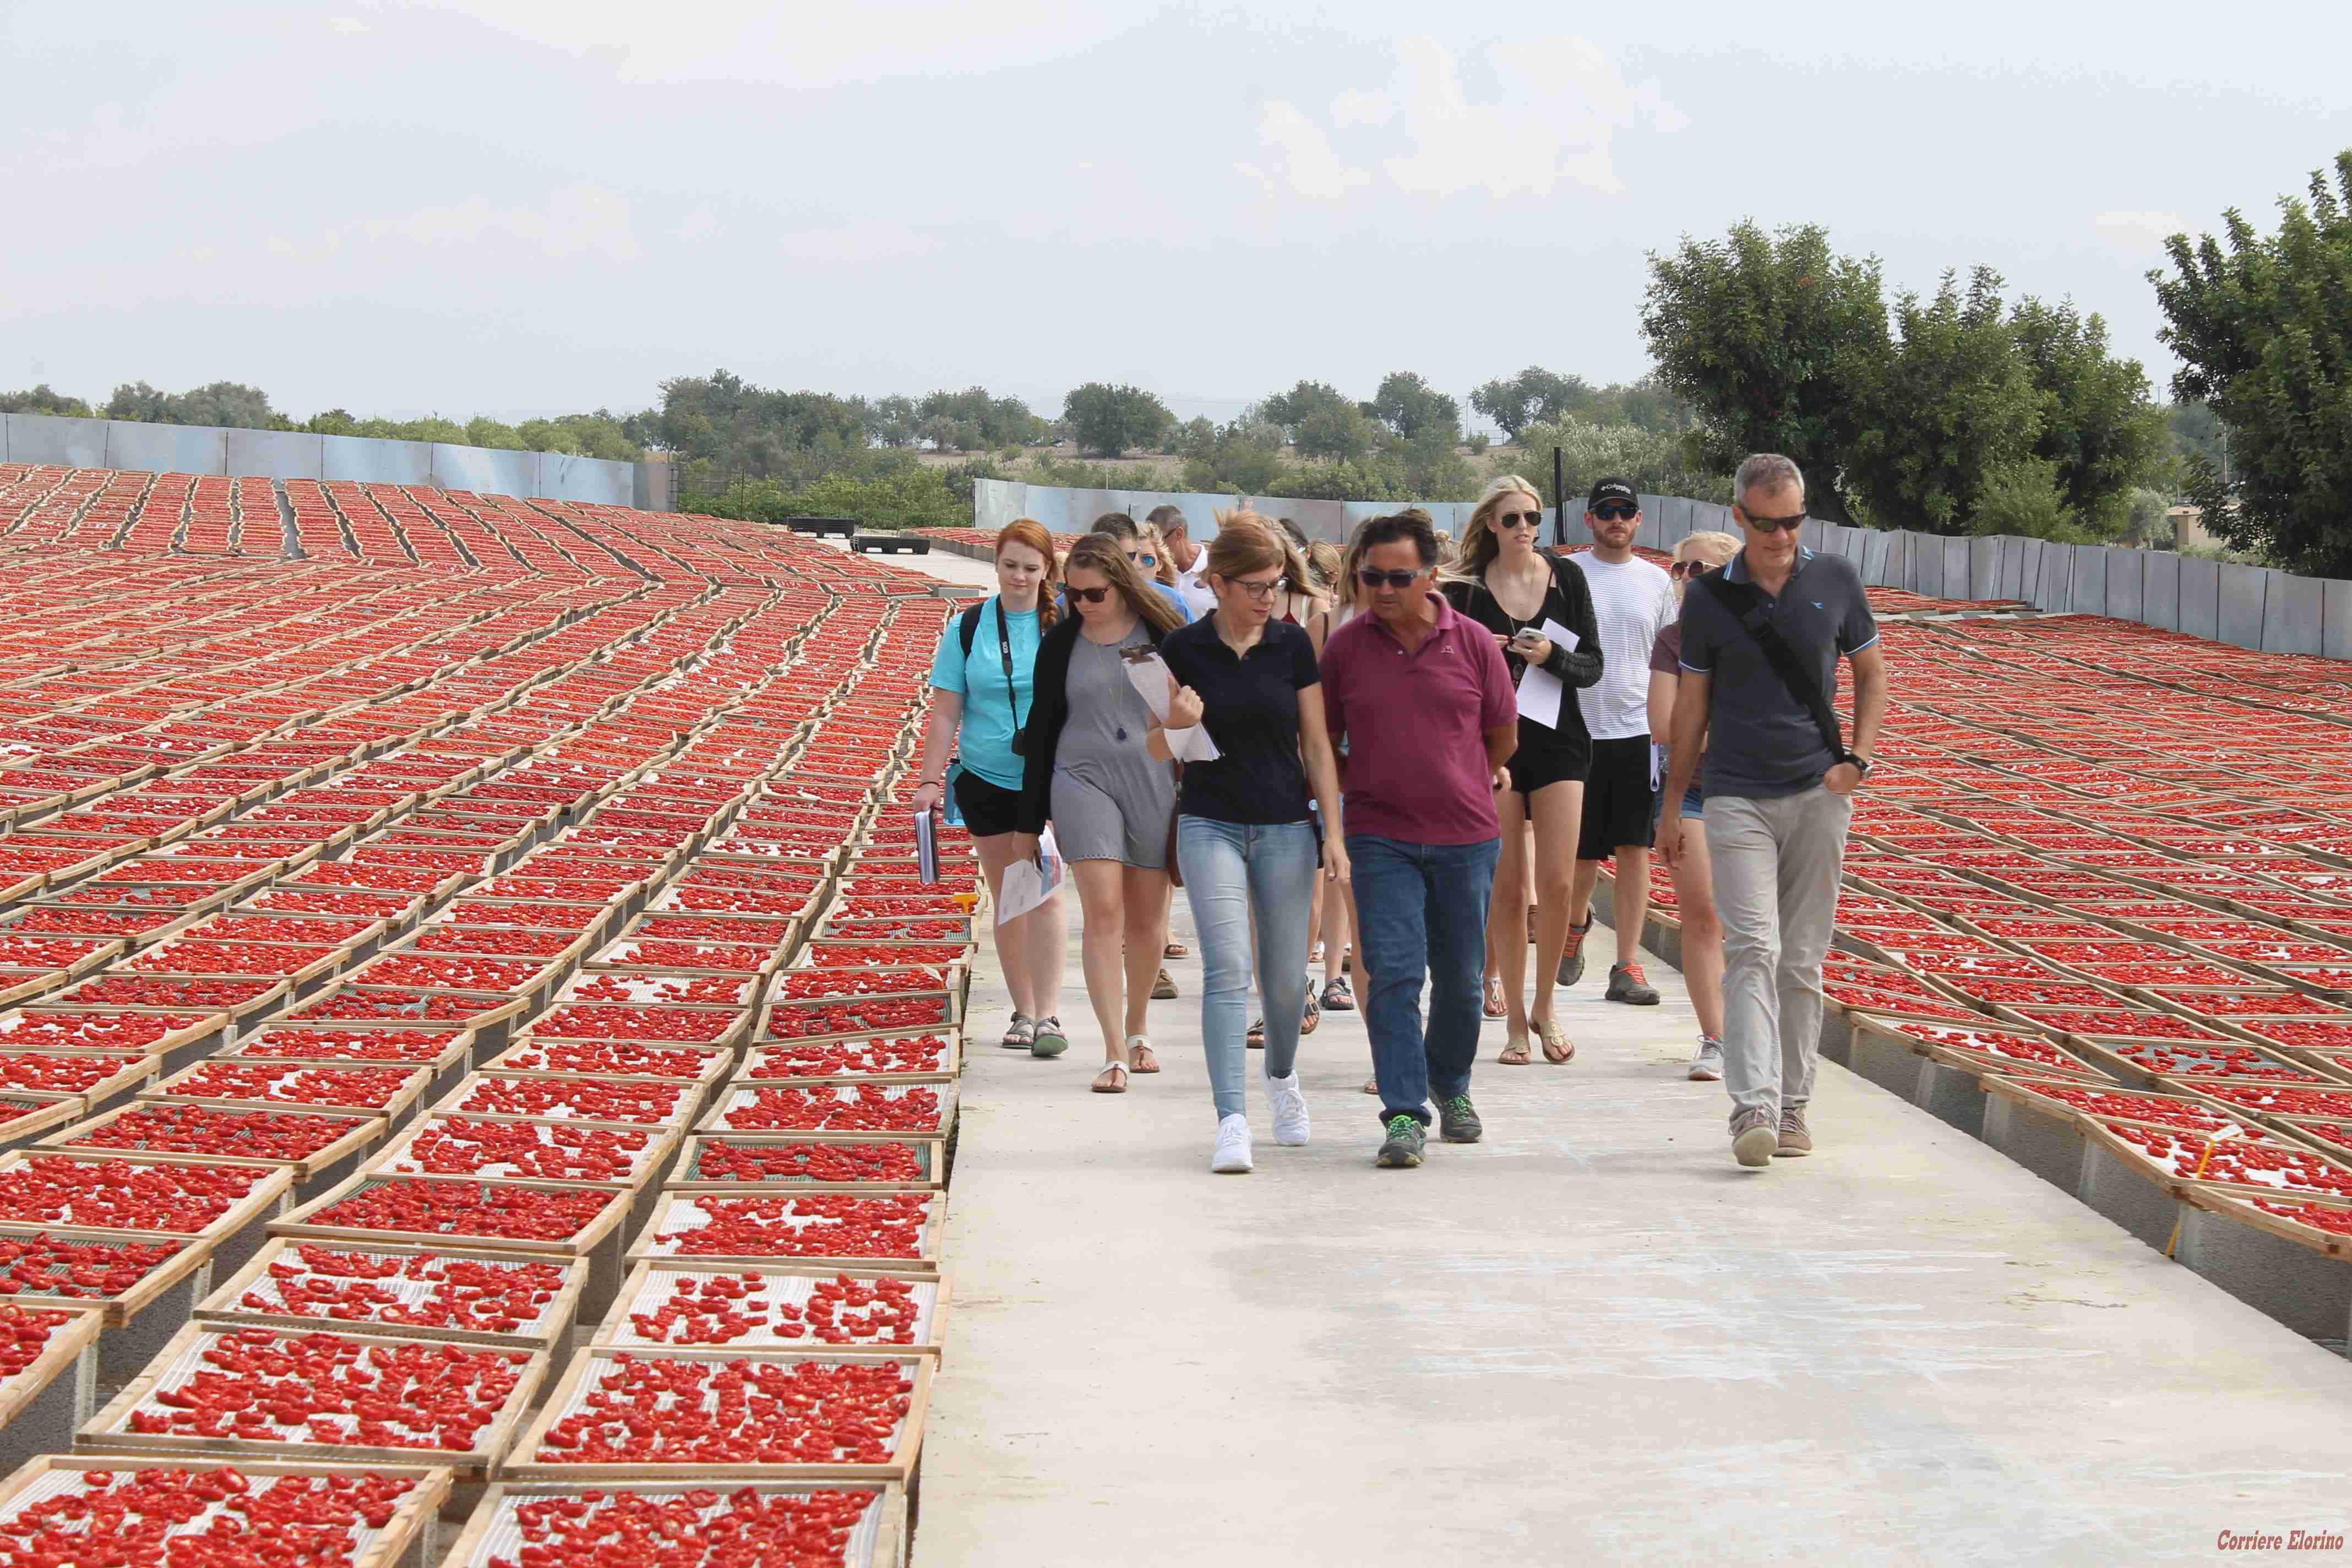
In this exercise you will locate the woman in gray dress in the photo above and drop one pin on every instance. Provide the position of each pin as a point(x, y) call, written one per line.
point(1112, 807)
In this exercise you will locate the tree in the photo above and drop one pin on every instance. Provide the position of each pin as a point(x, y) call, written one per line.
point(2100, 428)
point(220, 402)
point(333, 422)
point(2264, 335)
point(2196, 431)
point(1533, 396)
point(1337, 430)
point(43, 399)
point(138, 401)
point(1108, 420)
point(1293, 408)
point(1411, 408)
point(1657, 462)
point(1244, 456)
point(483, 431)
point(1769, 337)
point(1951, 405)
point(893, 421)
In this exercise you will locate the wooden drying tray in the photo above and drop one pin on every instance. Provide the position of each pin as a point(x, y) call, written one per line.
point(690, 1095)
point(107, 1432)
point(663, 1143)
point(546, 1332)
point(650, 1282)
point(269, 1185)
point(677, 1207)
point(932, 1153)
point(879, 1541)
point(741, 1093)
point(413, 1519)
point(415, 1081)
point(302, 1223)
point(366, 1129)
point(719, 1060)
point(591, 1364)
point(951, 1059)
point(66, 1344)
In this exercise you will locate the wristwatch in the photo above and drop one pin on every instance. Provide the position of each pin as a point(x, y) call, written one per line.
point(1860, 765)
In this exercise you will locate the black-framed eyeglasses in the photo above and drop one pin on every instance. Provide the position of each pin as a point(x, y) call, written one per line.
point(1373, 577)
point(1262, 592)
point(1792, 522)
point(1091, 595)
point(1615, 511)
point(1518, 519)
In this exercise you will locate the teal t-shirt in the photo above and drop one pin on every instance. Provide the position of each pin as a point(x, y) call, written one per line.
point(992, 714)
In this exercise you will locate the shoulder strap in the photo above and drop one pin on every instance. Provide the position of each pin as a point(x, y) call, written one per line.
point(1746, 607)
point(968, 626)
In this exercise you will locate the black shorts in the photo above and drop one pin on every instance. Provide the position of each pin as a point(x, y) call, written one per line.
point(1617, 799)
point(1556, 759)
point(987, 809)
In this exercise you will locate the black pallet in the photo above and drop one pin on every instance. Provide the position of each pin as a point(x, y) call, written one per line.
point(841, 527)
point(889, 544)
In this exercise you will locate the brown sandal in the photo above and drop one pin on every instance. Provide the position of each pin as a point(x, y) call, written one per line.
point(1557, 1046)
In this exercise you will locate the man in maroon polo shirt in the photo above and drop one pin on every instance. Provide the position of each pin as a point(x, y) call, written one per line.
point(1424, 702)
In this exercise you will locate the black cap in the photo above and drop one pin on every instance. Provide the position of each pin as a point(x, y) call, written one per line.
point(1610, 488)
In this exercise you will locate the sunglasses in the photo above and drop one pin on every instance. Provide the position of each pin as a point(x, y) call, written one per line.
point(1518, 519)
point(1143, 560)
point(1372, 578)
point(1682, 569)
point(1772, 524)
point(1091, 595)
point(1616, 511)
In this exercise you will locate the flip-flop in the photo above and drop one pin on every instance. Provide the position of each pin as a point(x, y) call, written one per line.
point(1116, 1085)
point(1174, 949)
point(1140, 1056)
point(1558, 1048)
point(1515, 1053)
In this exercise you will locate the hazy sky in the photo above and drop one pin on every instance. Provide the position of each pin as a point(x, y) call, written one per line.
point(531, 207)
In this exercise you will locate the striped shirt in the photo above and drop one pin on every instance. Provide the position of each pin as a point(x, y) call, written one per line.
point(1633, 602)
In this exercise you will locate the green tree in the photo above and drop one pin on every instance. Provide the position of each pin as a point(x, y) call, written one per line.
point(137, 402)
point(483, 431)
point(220, 402)
point(2264, 335)
point(895, 420)
point(2196, 431)
point(2099, 426)
point(1109, 420)
point(1292, 409)
point(333, 422)
point(1657, 462)
point(1768, 336)
point(1244, 456)
point(43, 399)
point(1953, 402)
point(1533, 396)
point(1412, 408)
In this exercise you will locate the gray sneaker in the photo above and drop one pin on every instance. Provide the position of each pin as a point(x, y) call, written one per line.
point(1753, 1142)
point(1572, 960)
point(1406, 1140)
point(1795, 1140)
point(1457, 1121)
point(1628, 984)
point(1707, 1066)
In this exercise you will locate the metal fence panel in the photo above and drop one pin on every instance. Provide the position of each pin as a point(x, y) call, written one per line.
point(2161, 590)
point(2126, 580)
point(2291, 613)
point(1984, 567)
point(1960, 562)
point(2335, 618)
point(2201, 597)
point(2244, 590)
point(2015, 579)
point(275, 454)
point(1928, 565)
point(50, 438)
point(2053, 591)
point(1874, 548)
point(2086, 589)
point(1676, 520)
point(165, 448)
point(596, 481)
point(1653, 529)
point(377, 462)
point(484, 470)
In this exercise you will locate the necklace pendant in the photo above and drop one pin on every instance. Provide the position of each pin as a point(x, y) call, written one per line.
point(1122, 732)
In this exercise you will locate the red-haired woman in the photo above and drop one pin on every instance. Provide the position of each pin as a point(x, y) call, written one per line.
point(982, 683)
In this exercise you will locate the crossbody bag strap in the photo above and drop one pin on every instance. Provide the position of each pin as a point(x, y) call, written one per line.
point(1746, 607)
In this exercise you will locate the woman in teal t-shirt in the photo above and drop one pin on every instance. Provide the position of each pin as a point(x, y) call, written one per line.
point(979, 699)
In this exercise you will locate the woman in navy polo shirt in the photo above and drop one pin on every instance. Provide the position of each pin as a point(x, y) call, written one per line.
point(1243, 837)
point(979, 700)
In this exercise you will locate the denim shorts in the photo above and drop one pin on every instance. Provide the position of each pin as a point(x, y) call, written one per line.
point(1693, 805)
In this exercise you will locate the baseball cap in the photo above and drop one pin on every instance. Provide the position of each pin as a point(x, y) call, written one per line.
point(1610, 488)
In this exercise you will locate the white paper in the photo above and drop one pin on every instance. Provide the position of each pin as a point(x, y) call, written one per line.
point(1028, 883)
point(1191, 745)
point(1541, 692)
point(1150, 678)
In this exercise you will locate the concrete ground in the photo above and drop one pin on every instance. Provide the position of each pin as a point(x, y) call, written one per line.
point(1591, 1339)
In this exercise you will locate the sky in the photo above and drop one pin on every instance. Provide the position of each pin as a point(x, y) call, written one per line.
point(529, 207)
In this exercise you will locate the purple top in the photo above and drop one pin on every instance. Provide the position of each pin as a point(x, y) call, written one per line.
point(1415, 725)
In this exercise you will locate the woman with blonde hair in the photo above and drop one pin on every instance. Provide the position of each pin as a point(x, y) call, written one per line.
point(1112, 804)
point(1508, 586)
point(1702, 925)
point(982, 683)
point(1243, 837)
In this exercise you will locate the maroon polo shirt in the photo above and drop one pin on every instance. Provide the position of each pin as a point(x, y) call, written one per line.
point(1415, 724)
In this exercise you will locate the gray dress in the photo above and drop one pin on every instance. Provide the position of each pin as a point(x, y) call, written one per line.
point(1111, 800)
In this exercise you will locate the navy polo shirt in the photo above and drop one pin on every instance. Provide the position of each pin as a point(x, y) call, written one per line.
point(1761, 742)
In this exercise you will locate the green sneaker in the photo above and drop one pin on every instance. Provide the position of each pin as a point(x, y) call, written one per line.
point(1457, 1121)
point(1406, 1138)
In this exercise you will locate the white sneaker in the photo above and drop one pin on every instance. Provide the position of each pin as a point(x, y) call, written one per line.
point(1707, 1066)
point(1289, 1102)
point(1232, 1155)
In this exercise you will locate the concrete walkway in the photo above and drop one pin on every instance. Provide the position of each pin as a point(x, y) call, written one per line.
point(1591, 1339)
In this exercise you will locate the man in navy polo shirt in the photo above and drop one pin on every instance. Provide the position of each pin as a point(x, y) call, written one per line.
point(1425, 703)
point(1780, 787)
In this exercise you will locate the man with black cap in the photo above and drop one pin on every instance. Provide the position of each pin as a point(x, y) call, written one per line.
point(1632, 601)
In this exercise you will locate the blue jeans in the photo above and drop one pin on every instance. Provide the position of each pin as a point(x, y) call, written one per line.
point(1231, 871)
point(1423, 907)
